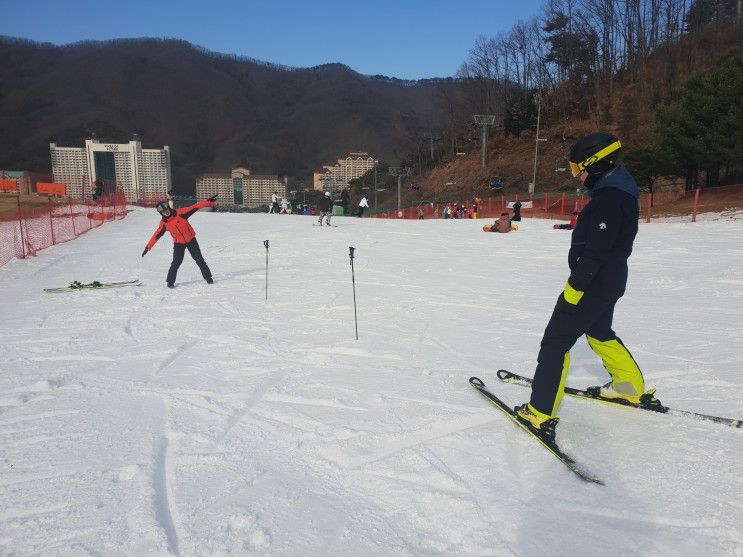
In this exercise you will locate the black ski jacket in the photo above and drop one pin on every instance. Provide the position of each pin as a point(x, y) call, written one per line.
point(603, 236)
point(326, 204)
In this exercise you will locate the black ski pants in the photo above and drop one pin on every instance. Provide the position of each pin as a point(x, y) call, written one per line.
point(593, 317)
point(179, 251)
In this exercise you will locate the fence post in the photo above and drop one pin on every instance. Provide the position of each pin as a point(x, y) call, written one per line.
point(51, 221)
point(20, 227)
point(696, 205)
point(648, 207)
point(72, 217)
point(562, 203)
point(545, 202)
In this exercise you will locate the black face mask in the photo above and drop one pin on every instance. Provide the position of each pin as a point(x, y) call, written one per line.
point(596, 171)
point(591, 181)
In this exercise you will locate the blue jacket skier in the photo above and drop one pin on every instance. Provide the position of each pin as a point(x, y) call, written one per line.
point(601, 244)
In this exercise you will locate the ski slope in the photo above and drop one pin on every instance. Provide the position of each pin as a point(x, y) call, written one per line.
point(206, 420)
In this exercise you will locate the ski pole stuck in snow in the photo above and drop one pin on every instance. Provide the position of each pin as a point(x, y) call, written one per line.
point(353, 283)
point(265, 243)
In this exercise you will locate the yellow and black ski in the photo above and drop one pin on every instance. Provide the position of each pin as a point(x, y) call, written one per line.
point(546, 440)
point(647, 401)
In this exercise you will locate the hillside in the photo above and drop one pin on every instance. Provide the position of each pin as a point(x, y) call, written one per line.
point(214, 111)
point(629, 113)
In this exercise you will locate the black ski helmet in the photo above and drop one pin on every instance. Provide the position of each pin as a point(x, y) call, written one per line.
point(595, 153)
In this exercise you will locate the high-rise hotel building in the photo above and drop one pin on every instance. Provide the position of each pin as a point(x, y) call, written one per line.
point(259, 187)
point(227, 187)
point(240, 187)
point(339, 176)
point(143, 174)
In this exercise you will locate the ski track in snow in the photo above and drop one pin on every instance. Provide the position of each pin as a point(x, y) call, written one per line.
point(207, 420)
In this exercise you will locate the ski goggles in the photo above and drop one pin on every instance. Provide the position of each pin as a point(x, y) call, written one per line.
point(160, 207)
point(577, 168)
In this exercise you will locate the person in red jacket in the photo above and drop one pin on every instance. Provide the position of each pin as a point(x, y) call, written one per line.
point(176, 222)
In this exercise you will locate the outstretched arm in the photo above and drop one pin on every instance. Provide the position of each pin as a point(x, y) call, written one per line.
point(186, 212)
point(155, 237)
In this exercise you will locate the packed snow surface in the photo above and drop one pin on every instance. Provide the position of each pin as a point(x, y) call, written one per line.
point(207, 420)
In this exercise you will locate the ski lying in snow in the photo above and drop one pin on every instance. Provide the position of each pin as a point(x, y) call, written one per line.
point(95, 285)
point(547, 441)
point(647, 401)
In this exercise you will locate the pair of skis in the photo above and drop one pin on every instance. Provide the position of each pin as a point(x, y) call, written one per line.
point(648, 402)
point(95, 285)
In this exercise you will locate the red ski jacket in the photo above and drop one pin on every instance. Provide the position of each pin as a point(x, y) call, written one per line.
point(178, 225)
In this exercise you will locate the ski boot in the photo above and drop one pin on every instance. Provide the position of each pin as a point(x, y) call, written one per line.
point(609, 392)
point(540, 423)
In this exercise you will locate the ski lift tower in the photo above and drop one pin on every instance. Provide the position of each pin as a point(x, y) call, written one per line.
point(538, 101)
point(399, 171)
point(485, 121)
point(432, 137)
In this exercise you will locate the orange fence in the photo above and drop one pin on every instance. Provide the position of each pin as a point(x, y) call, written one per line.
point(561, 205)
point(29, 224)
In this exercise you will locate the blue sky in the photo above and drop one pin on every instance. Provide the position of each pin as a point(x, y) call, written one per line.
point(405, 39)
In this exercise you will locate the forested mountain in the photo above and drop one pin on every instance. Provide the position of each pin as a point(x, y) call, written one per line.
point(666, 76)
point(214, 111)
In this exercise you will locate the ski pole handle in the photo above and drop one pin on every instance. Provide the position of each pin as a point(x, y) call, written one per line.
point(265, 243)
point(350, 252)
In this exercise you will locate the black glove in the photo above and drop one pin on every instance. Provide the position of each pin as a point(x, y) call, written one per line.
point(144, 252)
point(213, 197)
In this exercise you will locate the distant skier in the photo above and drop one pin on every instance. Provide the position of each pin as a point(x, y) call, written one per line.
point(517, 211)
point(363, 205)
point(184, 237)
point(325, 208)
point(274, 203)
point(600, 246)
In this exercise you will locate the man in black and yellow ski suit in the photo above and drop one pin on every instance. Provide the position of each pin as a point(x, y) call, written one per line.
point(601, 244)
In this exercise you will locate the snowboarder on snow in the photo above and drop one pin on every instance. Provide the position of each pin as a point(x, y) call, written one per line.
point(570, 225)
point(600, 246)
point(326, 208)
point(176, 222)
point(503, 224)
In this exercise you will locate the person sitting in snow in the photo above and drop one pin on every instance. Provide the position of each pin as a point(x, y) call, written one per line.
point(176, 222)
point(503, 224)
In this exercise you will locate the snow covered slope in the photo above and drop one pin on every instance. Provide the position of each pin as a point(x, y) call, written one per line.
point(205, 420)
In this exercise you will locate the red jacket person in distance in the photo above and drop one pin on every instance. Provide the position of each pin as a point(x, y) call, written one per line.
point(176, 222)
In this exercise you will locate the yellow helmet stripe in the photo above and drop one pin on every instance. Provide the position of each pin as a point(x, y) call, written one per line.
point(577, 167)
